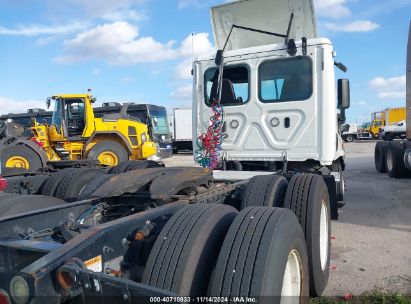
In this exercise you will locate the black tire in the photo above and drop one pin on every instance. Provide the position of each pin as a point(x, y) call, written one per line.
point(395, 160)
point(340, 186)
point(23, 151)
point(306, 194)
point(119, 168)
point(51, 184)
point(349, 138)
point(380, 155)
point(265, 190)
point(186, 249)
point(141, 164)
point(71, 185)
point(110, 146)
point(25, 203)
point(92, 186)
point(254, 255)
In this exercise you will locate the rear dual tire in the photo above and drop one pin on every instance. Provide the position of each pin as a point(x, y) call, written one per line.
point(395, 159)
point(259, 252)
point(307, 196)
point(380, 155)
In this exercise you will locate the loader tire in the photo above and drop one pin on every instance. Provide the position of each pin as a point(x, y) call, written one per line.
point(24, 203)
point(109, 153)
point(119, 168)
point(307, 196)
point(380, 155)
point(395, 160)
point(20, 156)
point(73, 182)
point(92, 186)
point(51, 184)
point(186, 249)
point(265, 190)
point(258, 250)
point(141, 164)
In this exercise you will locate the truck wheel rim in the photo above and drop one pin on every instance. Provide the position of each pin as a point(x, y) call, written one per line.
point(323, 235)
point(18, 162)
point(389, 160)
point(108, 158)
point(291, 290)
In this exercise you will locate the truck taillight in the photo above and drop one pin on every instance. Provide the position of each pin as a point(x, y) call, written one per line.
point(4, 297)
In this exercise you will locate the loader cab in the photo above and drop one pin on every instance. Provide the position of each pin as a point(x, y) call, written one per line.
point(70, 116)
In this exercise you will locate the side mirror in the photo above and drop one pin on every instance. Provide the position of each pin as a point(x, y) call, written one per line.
point(48, 102)
point(343, 94)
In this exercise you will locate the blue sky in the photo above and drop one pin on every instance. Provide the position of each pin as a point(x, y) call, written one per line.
point(141, 50)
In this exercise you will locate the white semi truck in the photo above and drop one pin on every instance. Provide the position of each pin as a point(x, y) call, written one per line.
point(394, 157)
point(278, 91)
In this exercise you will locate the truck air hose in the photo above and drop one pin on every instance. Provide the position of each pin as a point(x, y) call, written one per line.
point(209, 143)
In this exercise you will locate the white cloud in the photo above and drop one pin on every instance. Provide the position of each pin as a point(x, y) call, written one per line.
point(183, 69)
point(192, 46)
point(10, 105)
point(119, 43)
point(36, 29)
point(185, 92)
point(389, 88)
point(355, 26)
point(333, 9)
point(196, 45)
point(123, 15)
point(116, 43)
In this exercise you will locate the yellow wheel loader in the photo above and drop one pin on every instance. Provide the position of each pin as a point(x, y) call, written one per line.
point(75, 134)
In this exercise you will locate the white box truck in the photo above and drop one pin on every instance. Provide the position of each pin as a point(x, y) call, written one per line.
point(183, 129)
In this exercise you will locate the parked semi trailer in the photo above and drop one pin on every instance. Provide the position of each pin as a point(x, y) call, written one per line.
point(183, 129)
point(394, 157)
point(194, 234)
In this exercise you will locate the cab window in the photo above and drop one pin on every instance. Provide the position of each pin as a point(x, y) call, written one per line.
point(235, 85)
point(287, 79)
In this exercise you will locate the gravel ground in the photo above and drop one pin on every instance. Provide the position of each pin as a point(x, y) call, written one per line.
point(371, 246)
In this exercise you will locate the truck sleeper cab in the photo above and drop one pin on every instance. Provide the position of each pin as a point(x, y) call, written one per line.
point(277, 107)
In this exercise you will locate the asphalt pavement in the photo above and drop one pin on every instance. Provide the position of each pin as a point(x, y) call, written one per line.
point(371, 241)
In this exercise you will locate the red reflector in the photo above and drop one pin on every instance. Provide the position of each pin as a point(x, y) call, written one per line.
point(4, 297)
point(3, 185)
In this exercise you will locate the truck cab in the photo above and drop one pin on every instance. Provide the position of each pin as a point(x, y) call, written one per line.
point(278, 94)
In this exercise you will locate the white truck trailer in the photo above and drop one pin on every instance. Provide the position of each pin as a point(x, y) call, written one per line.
point(183, 129)
point(394, 157)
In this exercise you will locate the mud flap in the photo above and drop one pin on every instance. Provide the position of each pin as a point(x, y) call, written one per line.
point(330, 182)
